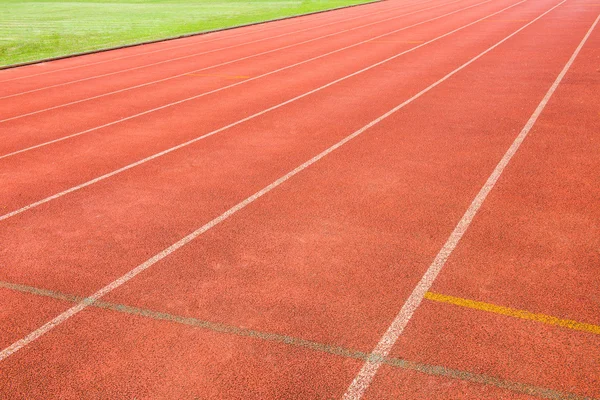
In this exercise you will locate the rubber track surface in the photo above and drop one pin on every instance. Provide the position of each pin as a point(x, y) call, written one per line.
point(240, 215)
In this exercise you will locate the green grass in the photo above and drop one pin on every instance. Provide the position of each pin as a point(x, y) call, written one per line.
point(37, 29)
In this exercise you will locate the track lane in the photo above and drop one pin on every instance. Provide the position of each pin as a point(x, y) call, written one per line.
point(20, 314)
point(393, 383)
point(418, 386)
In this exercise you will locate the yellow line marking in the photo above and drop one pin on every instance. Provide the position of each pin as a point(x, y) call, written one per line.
point(397, 41)
point(508, 20)
point(221, 76)
point(511, 312)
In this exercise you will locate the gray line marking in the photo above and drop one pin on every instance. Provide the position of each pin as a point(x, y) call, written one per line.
point(435, 370)
point(363, 380)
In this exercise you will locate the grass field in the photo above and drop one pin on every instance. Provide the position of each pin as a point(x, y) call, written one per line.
point(37, 29)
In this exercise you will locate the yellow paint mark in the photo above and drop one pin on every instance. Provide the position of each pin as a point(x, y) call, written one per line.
point(508, 20)
point(511, 312)
point(397, 41)
point(221, 76)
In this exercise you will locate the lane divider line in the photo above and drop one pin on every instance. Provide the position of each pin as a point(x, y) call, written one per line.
point(220, 76)
point(197, 43)
point(434, 370)
point(399, 41)
point(513, 312)
point(164, 152)
point(211, 66)
point(61, 318)
point(191, 56)
point(363, 380)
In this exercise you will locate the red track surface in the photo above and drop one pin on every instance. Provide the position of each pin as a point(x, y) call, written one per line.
point(287, 294)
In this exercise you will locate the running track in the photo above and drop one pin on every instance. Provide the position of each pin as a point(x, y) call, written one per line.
point(397, 200)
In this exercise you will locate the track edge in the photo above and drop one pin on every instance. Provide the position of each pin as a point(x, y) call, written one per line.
point(124, 46)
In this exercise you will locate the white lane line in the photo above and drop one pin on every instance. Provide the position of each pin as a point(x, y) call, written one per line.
point(181, 58)
point(16, 346)
point(162, 153)
point(216, 65)
point(362, 381)
point(250, 80)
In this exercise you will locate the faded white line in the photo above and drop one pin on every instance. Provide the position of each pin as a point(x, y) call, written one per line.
point(177, 58)
point(214, 66)
point(147, 159)
point(187, 239)
point(362, 381)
